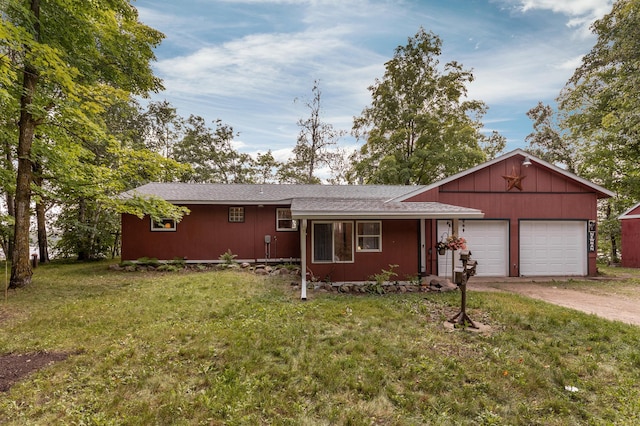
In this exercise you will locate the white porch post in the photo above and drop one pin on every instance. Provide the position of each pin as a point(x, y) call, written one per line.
point(303, 259)
point(423, 249)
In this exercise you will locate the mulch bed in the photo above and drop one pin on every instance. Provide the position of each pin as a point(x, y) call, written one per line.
point(14, 367)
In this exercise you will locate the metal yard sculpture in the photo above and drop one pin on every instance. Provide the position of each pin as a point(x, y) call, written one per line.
point(461, 276)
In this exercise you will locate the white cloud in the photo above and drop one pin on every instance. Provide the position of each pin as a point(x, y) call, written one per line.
point(582, 13)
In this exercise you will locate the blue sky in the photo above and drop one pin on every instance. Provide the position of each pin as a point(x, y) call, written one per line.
point(245, 61)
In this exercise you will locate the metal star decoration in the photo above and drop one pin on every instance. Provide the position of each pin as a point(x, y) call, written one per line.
point(514, 180)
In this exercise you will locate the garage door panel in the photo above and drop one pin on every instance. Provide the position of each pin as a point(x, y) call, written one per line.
point(553, 248)
point(488, 241)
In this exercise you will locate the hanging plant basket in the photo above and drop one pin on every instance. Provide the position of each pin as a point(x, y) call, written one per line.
point(442, 251)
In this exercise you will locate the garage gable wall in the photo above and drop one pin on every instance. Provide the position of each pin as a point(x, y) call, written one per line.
point(541, 192)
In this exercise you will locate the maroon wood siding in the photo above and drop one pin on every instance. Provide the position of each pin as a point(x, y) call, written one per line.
point(400, 246)
point(206, 233)
point(631, 241)
point(545, 194)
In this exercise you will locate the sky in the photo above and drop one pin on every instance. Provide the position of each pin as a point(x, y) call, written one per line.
point(253, 63)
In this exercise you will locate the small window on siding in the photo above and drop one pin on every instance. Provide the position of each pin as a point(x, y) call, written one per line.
point(236, 214)
point(163, 225)
point(284, 222)
point(369, 236)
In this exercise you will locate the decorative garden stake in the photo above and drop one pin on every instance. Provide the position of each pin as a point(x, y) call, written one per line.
point(461, 276)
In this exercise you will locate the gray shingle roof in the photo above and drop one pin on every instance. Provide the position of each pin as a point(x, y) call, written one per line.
point(311, 201)
point(376, 208)
point(267, 193)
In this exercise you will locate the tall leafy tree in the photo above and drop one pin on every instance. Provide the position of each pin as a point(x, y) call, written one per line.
point(600, 109)
point(70, 59)
point(420, 126)
point(164, 127)
point(211, 155)
point(265, 168)
point(548, 141)
point(315, 146)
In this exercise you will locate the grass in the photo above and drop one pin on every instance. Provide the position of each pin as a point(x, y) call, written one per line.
point(237, 349)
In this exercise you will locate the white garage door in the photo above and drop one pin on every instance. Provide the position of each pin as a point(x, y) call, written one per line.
point(553, 248)
point(488, 241)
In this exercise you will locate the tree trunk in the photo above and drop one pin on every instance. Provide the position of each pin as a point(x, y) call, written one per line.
point(83, 253)
point(7, 241)
point(21, 271)
point(43, 245)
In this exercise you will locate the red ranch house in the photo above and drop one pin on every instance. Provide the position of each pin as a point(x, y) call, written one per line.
point(520, 216)
point(630, 221)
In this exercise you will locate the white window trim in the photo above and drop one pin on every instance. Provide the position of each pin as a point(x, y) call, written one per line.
point(379, 236)
point(294, 221)
point(236, 221)
point(333, 246)
point(171, 229)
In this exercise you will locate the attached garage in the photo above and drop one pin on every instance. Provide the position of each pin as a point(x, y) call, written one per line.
point(553, 247)
point(488, 241)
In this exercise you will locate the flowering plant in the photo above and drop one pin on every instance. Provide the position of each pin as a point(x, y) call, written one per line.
point(452, 242)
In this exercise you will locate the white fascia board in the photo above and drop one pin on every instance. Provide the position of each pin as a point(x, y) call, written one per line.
point(626, 214)
point(233, 202)
point(381, 215)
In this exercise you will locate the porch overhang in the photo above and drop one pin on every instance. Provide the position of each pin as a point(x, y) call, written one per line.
point(324, 209)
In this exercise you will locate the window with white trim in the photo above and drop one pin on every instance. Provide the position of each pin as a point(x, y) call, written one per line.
point(163, 225)
point(369, 235)
point(284, 221)
point(236, 214)
point(332, 242)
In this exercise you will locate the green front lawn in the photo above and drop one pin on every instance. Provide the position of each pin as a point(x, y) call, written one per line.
point(237, 349)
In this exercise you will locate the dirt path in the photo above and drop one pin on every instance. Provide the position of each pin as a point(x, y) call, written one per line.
point(618, 307)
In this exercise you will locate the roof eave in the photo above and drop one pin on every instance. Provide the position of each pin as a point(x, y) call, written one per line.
point(318, 215)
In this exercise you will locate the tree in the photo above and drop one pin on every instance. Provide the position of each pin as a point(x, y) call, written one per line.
point(314, 145)
point(164, 127)
point(600, 106)
point(547, 140)
point(419, 127)
point(88, 197)
point(65, 78)
point(265, 168)
point(211, 154)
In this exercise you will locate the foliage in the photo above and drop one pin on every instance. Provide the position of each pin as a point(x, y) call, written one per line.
point(599, 108)
point(228, 257)
point(420, 128)
point(548, 141)
point(230, 348)
point(210, 154)
point(65, 63)
point(380, 278)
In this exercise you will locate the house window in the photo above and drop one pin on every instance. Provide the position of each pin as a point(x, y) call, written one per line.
point(332, 242)
point(236, 214)
point(163, 225)
point(284, 222)
point(369, 236)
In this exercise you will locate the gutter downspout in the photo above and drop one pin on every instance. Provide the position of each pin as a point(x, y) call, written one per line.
point(303, 259)
point(423, 250)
